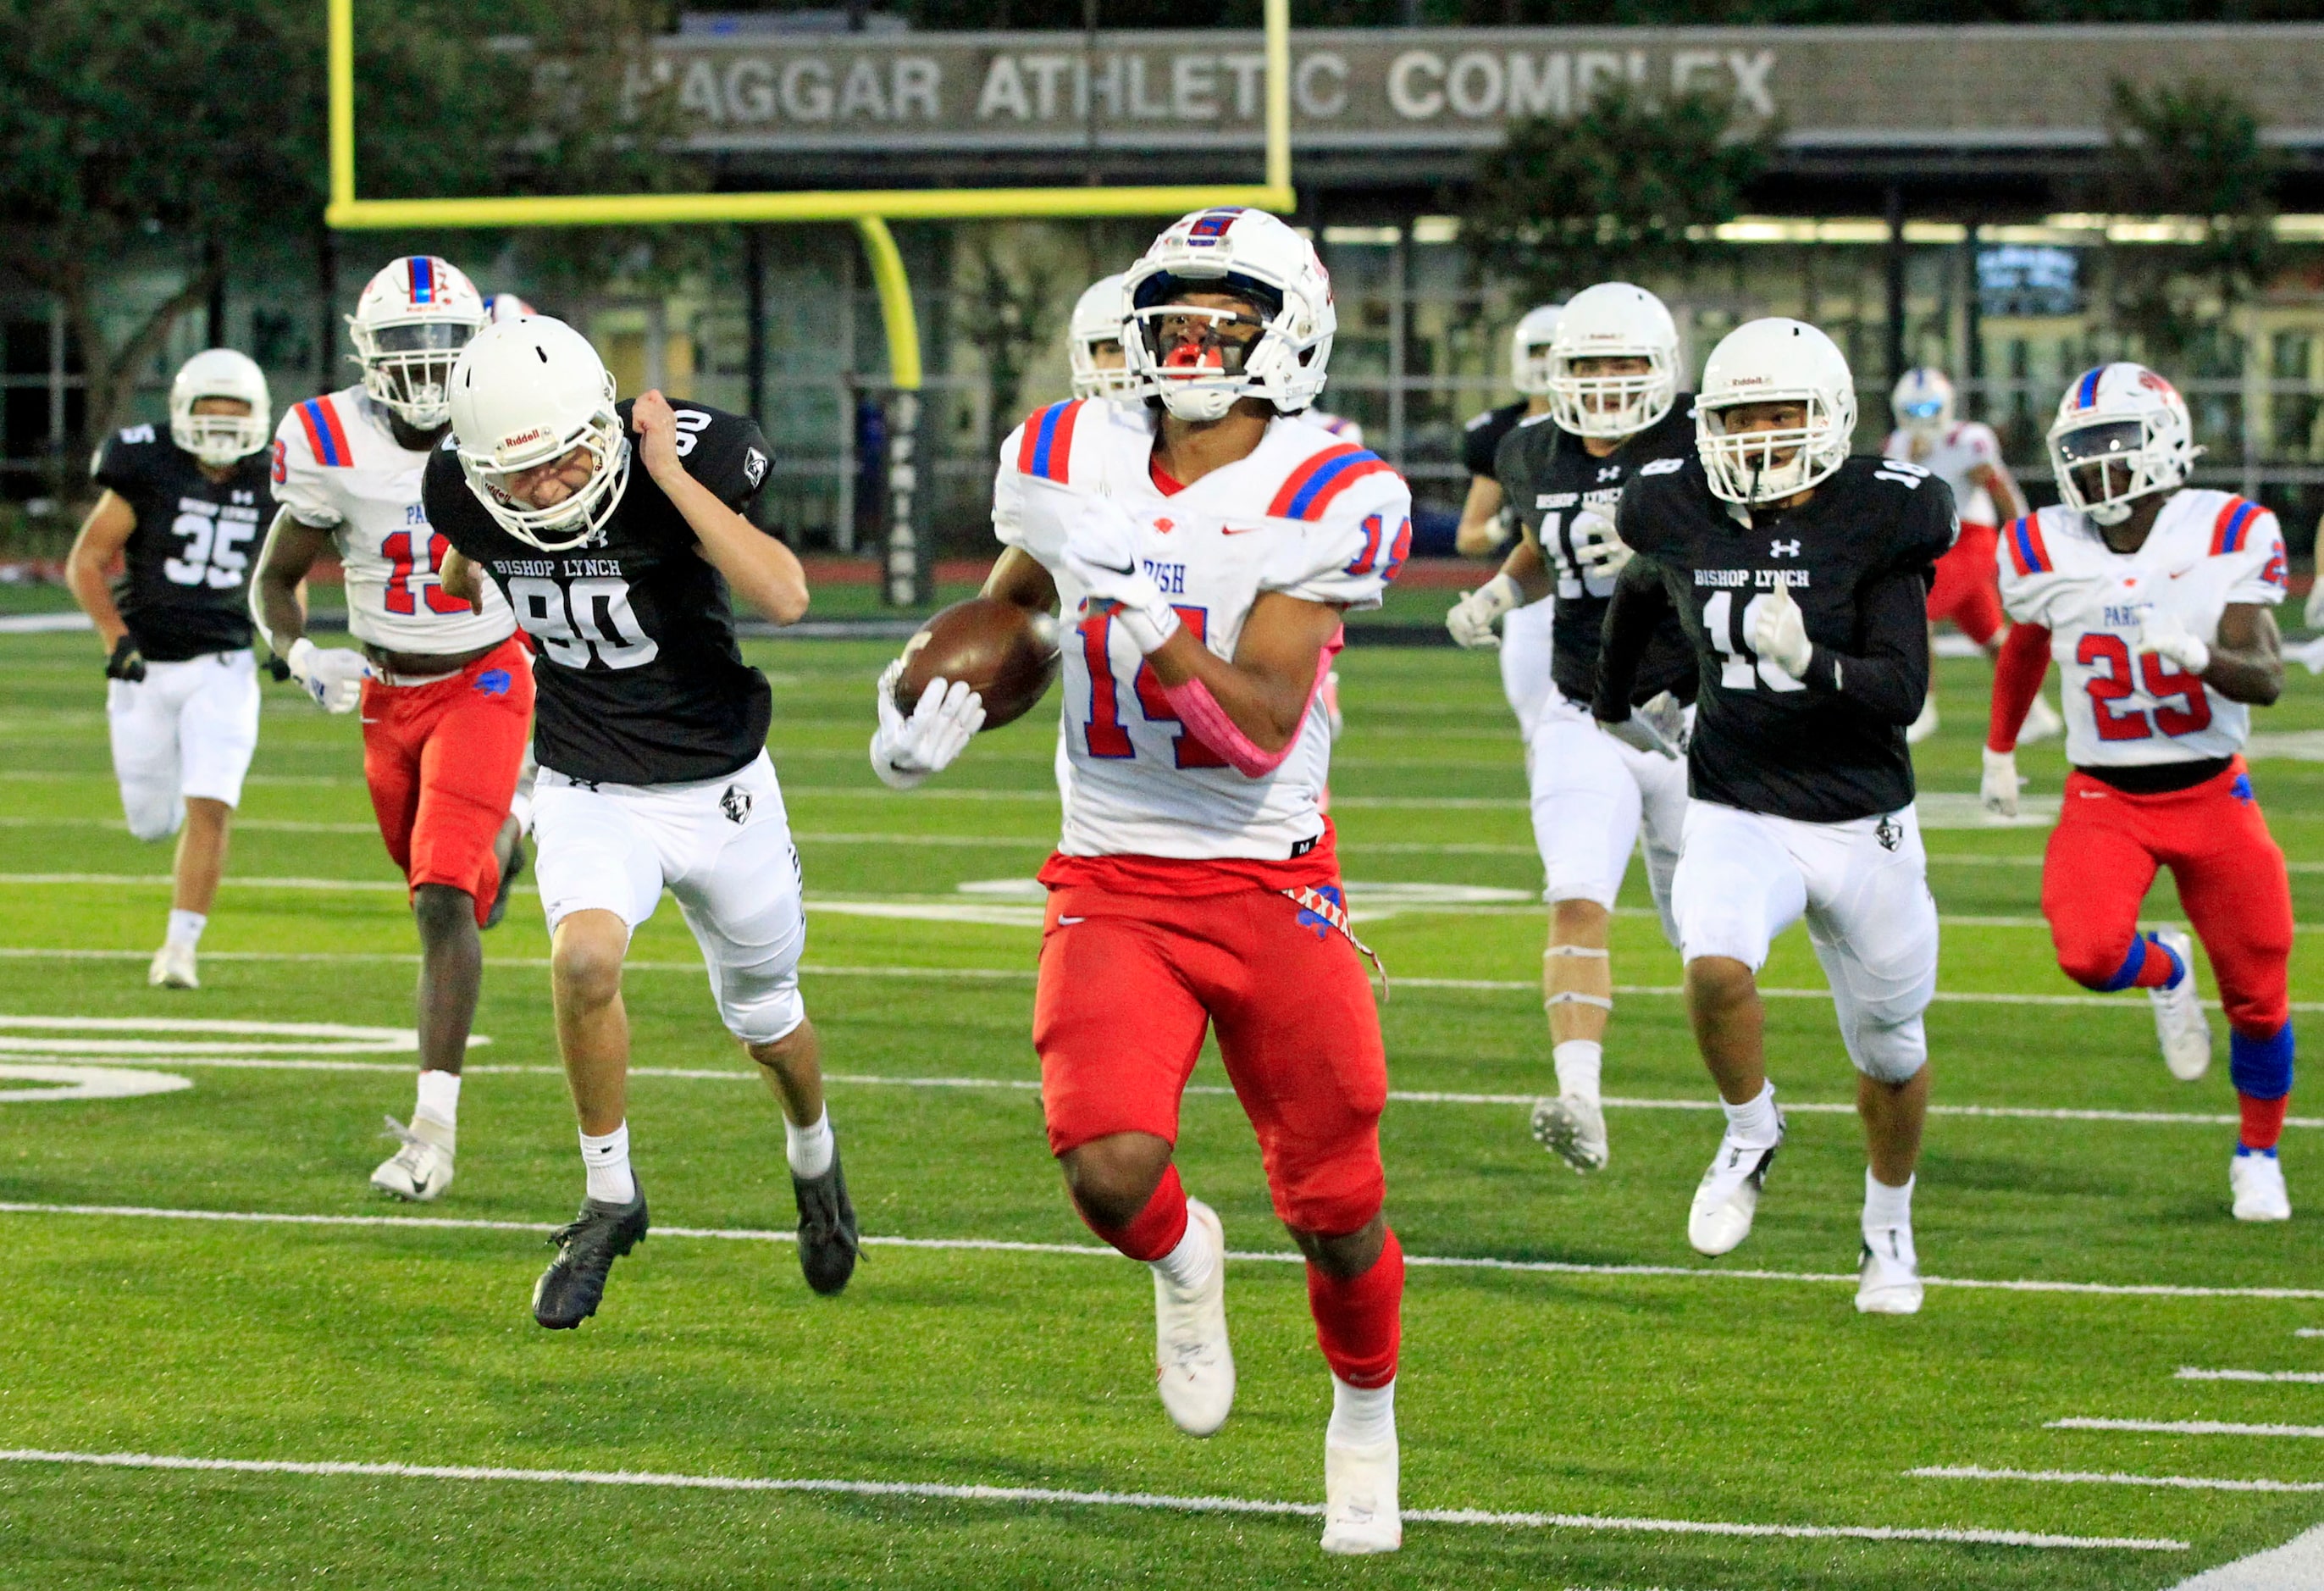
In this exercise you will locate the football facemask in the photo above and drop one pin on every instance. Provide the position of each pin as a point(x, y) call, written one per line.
point(526, 394)
point(212, 438)
point(409, 326)
point(2122, 433)
point(1613, 321)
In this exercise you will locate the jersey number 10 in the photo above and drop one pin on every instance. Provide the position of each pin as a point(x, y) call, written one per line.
point(1741, 668)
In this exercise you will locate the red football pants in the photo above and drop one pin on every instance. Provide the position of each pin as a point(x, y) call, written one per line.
point(1128, 984)
point(1968, 587)
point(442, 761)
point(2103, 856)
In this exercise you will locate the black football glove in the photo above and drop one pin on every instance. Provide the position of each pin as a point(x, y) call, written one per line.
point(126, 662)
point(277, 669)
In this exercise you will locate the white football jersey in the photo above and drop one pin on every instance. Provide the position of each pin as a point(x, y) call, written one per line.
point(2125, 706)
point(1965, 450)
point(337, 466)
point(1305, 515)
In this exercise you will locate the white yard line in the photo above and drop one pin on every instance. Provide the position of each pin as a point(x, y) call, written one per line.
point(1047, 1495)
point(2090, 1478)
point(2188, 1428)
point(1259, 1256)
point(2296, 1377)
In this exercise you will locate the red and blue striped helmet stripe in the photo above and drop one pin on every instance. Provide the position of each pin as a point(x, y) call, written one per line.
point(2232, 524)
point(1047, 448)
point(423, 280)
point(1315, 482)
point(328, 443)
point(2087, 392)
point(2026, 548)
point(1213, 225)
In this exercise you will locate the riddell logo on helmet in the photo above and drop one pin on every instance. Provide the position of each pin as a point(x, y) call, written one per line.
point(535, 435)
point(1750, 381)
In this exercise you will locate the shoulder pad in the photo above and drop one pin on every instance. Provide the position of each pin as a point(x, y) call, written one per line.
point(1316, 481)
point(1045, 444)
point(315, 423)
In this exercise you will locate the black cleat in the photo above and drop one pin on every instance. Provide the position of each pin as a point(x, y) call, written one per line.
point(509, 875)
point(827, 1242)
point(569, 1291)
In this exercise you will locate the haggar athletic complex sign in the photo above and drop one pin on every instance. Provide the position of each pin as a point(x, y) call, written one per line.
point(1456, 88)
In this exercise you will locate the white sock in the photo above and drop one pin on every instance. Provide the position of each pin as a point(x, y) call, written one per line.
point(810, 1149)
point(1754, 1124)
point(1886, 1207)
point(186, 926)
point(439, 1097)
point(1188, 1265)
point(1578, 1062)
point(607, 1160)
point(1361, 1417)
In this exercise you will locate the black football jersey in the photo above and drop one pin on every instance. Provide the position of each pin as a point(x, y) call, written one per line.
point(1548, 477)
point(639, 679)
point(183, 589)
point(1481, 438)
point(1857, 559)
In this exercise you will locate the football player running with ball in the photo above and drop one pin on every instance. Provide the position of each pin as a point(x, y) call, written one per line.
point(2157, 600)
point(1208, 544)
point(1800, 574)
point(1612, 379)
point(652, 744)
point(444, 687)
point(180, 511)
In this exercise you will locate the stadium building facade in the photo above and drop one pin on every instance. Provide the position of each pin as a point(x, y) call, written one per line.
point(1929, 200)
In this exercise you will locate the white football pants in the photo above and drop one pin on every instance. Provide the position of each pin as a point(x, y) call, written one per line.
point(186, 729)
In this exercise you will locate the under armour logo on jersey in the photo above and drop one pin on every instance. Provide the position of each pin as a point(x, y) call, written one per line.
point(1610, 472)
point(735, 803)
point(1783, 549)
point(1888, 833)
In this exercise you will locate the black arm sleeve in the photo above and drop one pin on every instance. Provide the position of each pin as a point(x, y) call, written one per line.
point(1639, 604)
point(1890, 681)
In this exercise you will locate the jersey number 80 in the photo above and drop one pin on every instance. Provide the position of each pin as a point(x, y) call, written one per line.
point(566, 620)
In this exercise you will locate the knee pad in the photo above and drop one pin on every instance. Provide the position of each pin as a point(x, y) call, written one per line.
point(1889, 1051)
point(759, 1003)
point(153, 814)
point(2261, 1068)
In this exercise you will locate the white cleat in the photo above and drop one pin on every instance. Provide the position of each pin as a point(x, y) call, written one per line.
point(172, 968)
point(1573, 1127)
point(1359, 1510)
point(1925, 724)
point(1888, 1274)
point(2258, 1182)
point(1728, 1196)
point(2041, 723)
point(1193, 1368)
point(2179, 1020)
point(421, 1170)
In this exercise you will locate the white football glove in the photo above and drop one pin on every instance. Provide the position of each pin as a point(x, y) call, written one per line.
point(1998, 792)
point(1658, 725)
point(1597, 547)
point(2314, 614)
point(2166, 635)
point(1101, 551)
point(332, 675)
point(906, 750)
point(1471, 619)
point(1780, 633)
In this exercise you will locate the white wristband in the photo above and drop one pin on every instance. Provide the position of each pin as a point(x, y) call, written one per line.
point(1147, 627)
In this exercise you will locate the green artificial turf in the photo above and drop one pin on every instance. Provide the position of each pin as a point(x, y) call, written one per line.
point(1703, 1395)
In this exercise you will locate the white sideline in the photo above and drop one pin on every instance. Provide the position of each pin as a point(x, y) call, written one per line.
point(2092, 1477)
point(2187, 1428)
point(164, 1053)
point(939, 1491)
point(2299, 1377)
point(1257, 1256)
point(2296, 1565)
point(2122, 1002)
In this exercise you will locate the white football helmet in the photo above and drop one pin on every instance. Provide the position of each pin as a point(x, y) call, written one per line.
point(219, 439)
point(1229, 250)
point(1613, 321)
point(525, 393)
point(1529, 346)
point(412, 320)
point(2122, 431)
point(1922, 402)
point(1774, 361)
point(1100, 316)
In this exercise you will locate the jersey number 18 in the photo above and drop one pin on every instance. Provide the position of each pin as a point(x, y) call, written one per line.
point(1741, 668)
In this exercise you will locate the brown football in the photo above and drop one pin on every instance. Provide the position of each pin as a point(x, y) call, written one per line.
point(1007, 654)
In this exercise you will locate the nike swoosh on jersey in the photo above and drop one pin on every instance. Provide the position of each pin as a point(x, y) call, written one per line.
point(1241, 530)
point(1069, 922)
